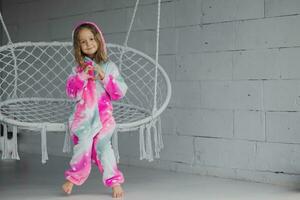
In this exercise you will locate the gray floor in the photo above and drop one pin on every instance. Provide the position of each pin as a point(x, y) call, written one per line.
point(29, 179)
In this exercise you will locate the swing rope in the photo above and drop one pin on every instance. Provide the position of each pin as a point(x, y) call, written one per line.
point(5, 29)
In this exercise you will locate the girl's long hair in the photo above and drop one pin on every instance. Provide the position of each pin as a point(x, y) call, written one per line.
point(100, 56)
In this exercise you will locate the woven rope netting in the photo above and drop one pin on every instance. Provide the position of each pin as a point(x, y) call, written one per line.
point(33, 91)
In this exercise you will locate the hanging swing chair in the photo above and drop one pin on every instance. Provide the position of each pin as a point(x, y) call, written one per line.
point(32, 94)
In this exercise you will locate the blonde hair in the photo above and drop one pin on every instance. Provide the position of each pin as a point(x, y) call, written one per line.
point(100, 55)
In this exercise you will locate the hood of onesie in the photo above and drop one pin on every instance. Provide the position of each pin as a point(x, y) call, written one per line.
point(97, 28)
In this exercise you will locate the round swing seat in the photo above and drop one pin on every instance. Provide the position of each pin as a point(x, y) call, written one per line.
point(35, 113)
point(33, 78)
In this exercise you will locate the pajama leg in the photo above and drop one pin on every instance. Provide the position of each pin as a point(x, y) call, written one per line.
point(102, 144)
point(95, 158)
point(81, 160)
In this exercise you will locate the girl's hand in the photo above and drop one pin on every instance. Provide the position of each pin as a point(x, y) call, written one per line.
point(87, 69)
point(99, 72)
point(87, 72)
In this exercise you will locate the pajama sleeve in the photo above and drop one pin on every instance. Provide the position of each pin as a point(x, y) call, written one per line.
point(113, 82)
point(75, 84)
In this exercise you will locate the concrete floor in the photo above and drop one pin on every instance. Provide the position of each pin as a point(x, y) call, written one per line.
point(29, 179)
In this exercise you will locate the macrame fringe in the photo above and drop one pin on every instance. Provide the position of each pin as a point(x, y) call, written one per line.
point(5, 153)
point(116, 145)
point(44, 145)
point(9, 147)
point(67, 142)
point(149, 142)
point(146, 146)
point(159, 132)
point(1, 142)
point(15, 154)
point(156, 147)
point(142, 143)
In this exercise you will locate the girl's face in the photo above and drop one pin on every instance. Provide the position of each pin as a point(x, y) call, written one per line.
point(88, 43)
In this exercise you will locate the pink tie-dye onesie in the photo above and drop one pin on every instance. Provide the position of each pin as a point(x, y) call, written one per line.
point(92, 123)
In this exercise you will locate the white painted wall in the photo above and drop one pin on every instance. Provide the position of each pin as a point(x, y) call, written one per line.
point(235, 77)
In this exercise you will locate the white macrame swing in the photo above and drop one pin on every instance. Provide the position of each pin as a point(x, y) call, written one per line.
point(32, 94)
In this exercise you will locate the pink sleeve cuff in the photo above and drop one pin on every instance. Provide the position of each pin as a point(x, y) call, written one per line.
point(74, 86)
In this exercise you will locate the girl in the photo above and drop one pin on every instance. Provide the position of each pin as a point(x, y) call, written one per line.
point(95, 82)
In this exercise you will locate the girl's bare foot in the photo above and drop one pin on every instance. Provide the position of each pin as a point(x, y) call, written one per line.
point(117, 191)
point(67, 187)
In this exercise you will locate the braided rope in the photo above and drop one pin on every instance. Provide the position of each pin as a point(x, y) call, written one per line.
point(131, 23)
point(5, 29)
point(128, 33)
point(156, 56)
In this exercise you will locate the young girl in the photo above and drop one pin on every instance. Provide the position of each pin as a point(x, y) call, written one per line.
point(95, 82)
